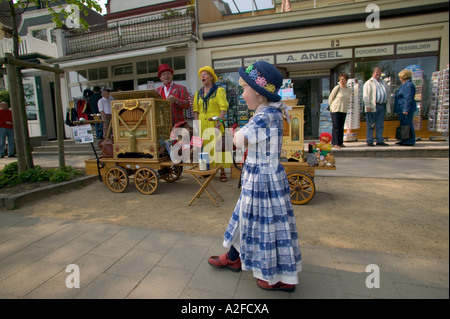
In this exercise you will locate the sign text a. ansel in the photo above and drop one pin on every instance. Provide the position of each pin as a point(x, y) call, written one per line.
point(314, 56)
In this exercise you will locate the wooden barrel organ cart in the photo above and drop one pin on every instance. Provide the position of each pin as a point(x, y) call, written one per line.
point(300, 175)
point(141, 123)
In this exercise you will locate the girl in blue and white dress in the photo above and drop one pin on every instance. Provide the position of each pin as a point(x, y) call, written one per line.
point(262, 232)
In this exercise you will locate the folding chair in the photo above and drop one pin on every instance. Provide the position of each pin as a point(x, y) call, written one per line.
point(204, 179)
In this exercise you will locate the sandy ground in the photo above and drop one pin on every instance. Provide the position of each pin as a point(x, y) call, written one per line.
point(394, 215)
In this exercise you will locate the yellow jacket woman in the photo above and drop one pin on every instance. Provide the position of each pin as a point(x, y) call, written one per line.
point(210, 101)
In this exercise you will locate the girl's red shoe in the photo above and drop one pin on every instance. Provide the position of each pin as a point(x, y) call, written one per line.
point(222, 261)
point(279, 286)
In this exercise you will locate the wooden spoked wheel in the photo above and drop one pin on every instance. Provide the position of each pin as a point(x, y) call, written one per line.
point(171, 174)
point(116, 179)
point(146, 180)
point(302, 187)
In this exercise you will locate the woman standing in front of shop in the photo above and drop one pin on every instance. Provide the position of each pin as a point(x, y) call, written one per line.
point(405, 105)
point(339, 101)
point(210, 101)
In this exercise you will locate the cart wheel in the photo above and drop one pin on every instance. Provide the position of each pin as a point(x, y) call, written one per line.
point(302, 187)
point(146, 180)
point(171, 174)
point(116, 179)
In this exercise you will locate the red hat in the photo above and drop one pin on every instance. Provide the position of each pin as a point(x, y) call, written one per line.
point(179, 124)
point(163, 68)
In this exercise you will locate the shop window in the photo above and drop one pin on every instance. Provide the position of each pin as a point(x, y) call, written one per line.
point(151, 66)
point(141, 67)
point(167, 61)
point(179, 63)
point(127, 85)
point(145, 83)
point(88, 75)
point(148, 83)
point(125, 69)
point(238, 112)
point(93, 74)
point(103, 73)
point(391, 68)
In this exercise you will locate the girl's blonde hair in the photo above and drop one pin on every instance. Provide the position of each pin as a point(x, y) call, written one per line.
point(262, 99)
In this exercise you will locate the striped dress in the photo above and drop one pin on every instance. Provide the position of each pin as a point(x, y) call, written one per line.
point(262, 227)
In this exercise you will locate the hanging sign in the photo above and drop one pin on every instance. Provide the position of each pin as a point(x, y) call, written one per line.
point(314, 56)
point(417, 47)
point(83, 134)
point(374, 51)
point(228, 64)
point(250, 60)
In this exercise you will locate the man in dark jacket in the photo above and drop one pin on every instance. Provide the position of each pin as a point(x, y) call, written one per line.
point(93, 101)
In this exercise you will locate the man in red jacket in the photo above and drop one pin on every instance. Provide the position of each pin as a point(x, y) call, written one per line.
point(6, 130)
point(176, 93)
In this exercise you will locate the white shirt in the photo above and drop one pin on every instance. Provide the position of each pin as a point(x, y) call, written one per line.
point(105, 105)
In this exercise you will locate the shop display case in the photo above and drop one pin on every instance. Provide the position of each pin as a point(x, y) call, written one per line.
point(438, 120)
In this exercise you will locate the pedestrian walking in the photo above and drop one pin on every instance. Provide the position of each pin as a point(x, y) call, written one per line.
point(405, 105)
point(262, 233)
point(339, 101)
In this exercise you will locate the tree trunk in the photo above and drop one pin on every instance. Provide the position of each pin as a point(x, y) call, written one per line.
point(59, 119)
point(25, 147)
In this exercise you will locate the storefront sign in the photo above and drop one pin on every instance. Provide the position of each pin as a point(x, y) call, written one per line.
point(227, 64)
point(374, 51)
point(314, 56)
point(249, 61)
point(417, 47)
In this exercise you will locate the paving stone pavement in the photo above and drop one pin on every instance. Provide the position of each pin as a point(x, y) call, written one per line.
point(124, 262)
point(40, 258)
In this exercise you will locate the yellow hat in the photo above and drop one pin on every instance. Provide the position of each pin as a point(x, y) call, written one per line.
point(210, 70)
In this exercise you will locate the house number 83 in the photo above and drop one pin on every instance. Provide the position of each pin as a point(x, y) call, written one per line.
point(335, 43)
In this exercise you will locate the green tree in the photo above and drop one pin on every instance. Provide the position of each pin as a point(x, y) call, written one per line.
point(4, 96)
point(60, 12)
